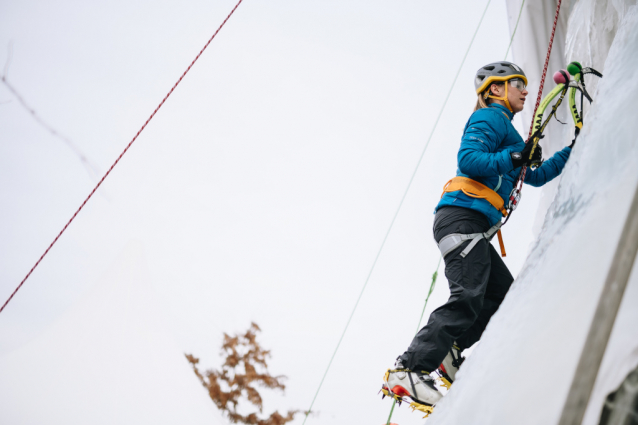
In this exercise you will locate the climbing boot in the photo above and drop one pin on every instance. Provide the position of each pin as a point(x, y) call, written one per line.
point(451, 364)
point(419, 386)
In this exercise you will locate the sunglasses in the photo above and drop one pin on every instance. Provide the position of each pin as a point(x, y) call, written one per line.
point(518, 83)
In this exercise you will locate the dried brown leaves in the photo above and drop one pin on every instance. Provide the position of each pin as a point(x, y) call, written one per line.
point(244, 368)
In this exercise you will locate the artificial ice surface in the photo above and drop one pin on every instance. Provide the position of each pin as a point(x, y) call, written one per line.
point(262, 190)
point(523, 368)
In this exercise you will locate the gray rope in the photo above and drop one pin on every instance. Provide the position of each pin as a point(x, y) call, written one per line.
point(374, 263)
point(434, 276)
point(520, 12)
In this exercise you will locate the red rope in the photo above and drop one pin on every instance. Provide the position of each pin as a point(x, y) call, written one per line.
point(549, 51)
point(121, 155)
point(521, 177)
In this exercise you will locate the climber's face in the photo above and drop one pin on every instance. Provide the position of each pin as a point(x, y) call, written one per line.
point(516, 94)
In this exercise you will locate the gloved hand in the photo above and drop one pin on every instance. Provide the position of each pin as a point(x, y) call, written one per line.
point(522, 158)
point(575, 137)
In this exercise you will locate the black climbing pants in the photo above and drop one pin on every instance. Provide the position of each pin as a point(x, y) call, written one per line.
point(478, 284)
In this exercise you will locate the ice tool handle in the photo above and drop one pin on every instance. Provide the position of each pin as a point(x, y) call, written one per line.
point(539, 124)
point(576, 69)
point(562, 79)
point(564, 83)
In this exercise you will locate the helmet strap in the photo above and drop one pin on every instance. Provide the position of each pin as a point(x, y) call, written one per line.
point(489, 94)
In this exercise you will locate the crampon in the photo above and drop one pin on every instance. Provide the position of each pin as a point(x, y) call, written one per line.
point(425, 408)
point(444, 379)
point(400, 395)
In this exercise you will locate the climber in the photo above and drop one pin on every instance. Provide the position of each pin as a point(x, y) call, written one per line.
point(469, 213)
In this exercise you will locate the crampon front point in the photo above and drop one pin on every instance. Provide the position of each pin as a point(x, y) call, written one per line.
point(445, 383)
point(425, 408)
point(400, 395)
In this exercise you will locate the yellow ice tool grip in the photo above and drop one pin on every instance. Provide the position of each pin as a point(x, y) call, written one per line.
point(474, 189)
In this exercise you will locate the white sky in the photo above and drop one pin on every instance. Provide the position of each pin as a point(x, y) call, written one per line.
point(263, 188)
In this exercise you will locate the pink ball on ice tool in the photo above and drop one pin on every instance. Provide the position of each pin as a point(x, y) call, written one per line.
point(561, 77)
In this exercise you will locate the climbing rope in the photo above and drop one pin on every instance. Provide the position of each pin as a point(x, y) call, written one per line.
point(434, 276)
point(520, 12)
point(427, 143)
point(549, 52)
point(518, 185)
point(119, 157)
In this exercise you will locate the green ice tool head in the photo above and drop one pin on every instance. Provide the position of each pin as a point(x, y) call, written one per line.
point(574, 68)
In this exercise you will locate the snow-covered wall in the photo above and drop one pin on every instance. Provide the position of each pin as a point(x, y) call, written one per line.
point(522, 369)
point(585, 31)
point(529, 50)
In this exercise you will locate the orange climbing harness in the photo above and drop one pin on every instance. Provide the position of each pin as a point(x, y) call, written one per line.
point(474, 189)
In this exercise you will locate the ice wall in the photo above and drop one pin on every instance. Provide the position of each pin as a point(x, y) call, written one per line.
point(522, 369)
point(592, 28)
point(529, 50)
point(529, 46)
point(584, 33)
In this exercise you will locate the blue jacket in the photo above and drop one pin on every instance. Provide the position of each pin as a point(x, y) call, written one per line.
point(484, 156)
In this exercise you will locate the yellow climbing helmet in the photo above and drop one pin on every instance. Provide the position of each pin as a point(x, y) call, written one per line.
point(495, 73)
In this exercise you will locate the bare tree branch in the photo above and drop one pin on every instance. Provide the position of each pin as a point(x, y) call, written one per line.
point(91, 168)
point(5, 74)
